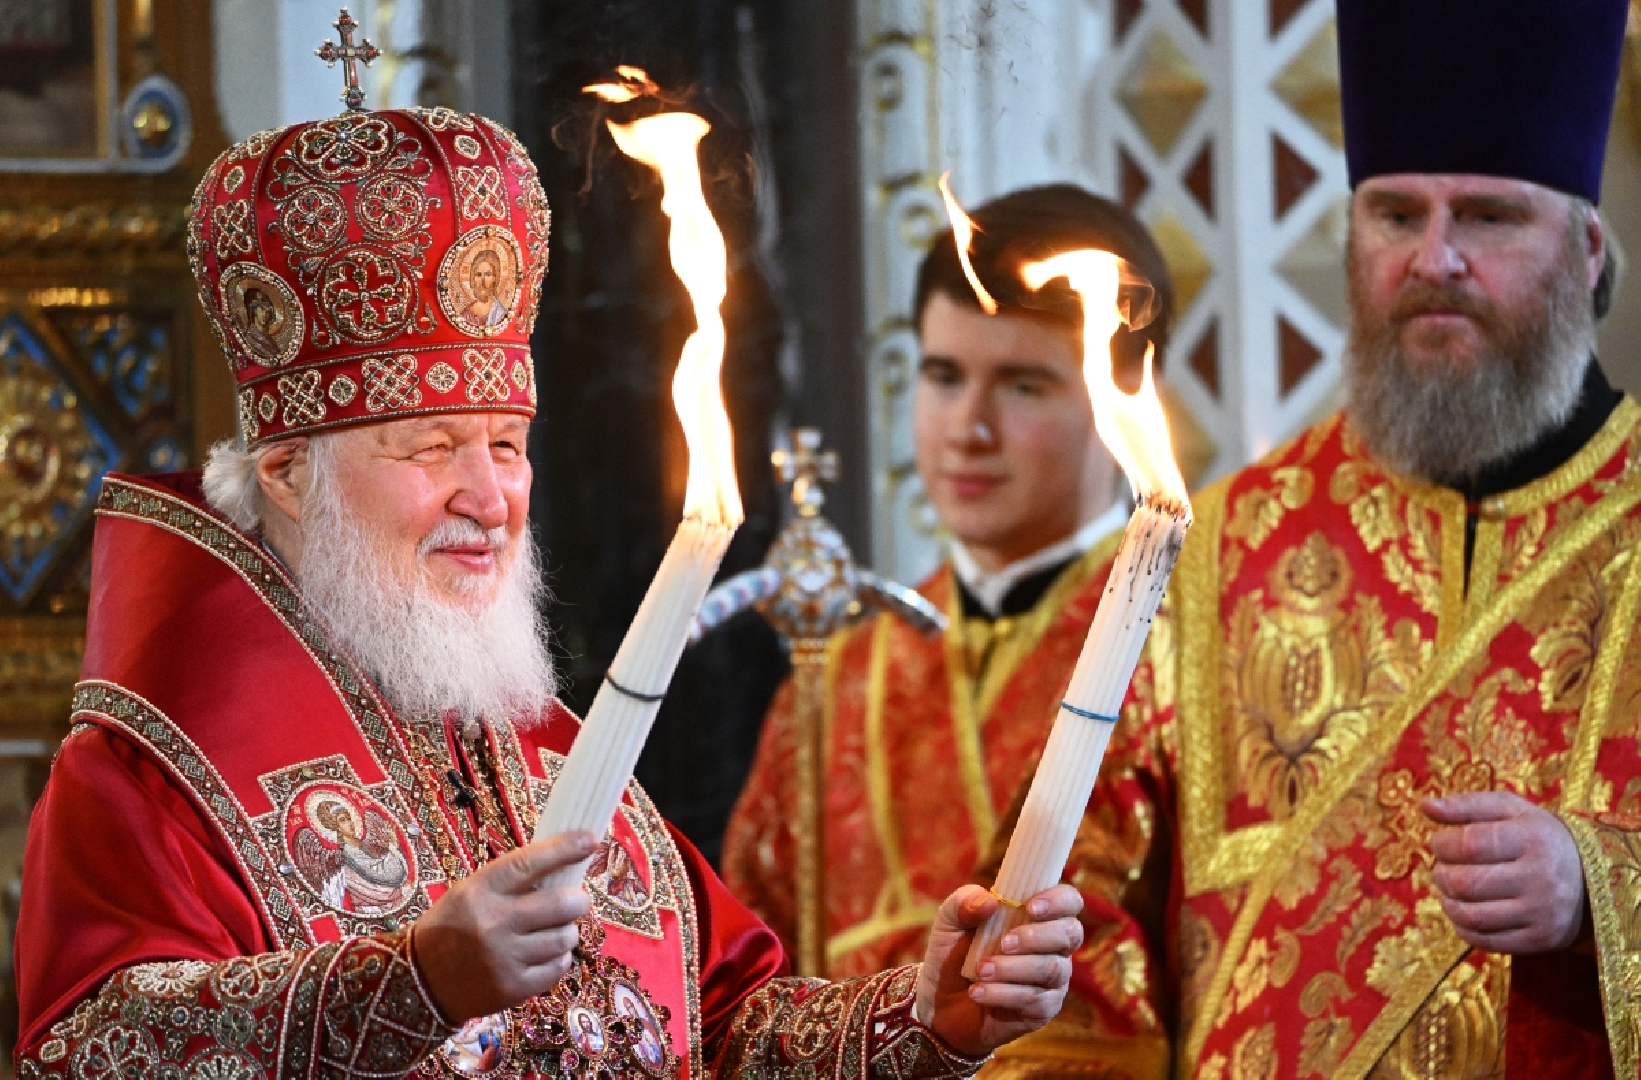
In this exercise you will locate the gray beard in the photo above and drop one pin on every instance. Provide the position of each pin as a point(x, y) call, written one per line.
point(427, 657)
point(1445, 423)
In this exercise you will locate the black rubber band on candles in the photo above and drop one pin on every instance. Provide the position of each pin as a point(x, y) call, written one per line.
point(1085, 714)
point(647, 699)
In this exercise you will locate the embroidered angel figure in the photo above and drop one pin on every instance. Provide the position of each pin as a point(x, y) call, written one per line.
point(353, 860)
point(613, 868)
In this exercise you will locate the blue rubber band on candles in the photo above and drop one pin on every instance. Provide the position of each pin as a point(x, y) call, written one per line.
point(647, 699)
point(1085, 714)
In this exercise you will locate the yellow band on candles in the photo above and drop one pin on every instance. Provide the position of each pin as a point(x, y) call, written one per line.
point(1085, 714)
point(1005, 901)
point(648, 699)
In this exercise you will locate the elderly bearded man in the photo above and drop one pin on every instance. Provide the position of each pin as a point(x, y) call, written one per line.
point(925, 737)
point(1381, 756)
point(287, 833)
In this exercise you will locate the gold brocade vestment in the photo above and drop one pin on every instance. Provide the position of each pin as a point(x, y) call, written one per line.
point(923, 737)
point(1324, 663)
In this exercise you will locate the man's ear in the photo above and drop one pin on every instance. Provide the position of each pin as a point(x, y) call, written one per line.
point(1595, 246)
point(282, 473)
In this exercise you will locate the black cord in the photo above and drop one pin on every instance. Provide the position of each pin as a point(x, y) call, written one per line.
point(648, 699)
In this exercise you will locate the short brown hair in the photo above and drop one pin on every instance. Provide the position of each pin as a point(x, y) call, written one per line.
point(1035, 223)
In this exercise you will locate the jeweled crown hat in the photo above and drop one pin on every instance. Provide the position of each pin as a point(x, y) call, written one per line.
point(1522, 89)
point(372, 266)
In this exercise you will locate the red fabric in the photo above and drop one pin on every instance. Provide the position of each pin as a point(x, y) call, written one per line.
point(124, 863)
point(738, 952)
point(120, 869)
point(1555, 1025)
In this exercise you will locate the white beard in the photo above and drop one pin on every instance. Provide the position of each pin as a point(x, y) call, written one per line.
point(427, 656)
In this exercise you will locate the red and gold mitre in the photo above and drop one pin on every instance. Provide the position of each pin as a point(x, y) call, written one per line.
point(372, 266)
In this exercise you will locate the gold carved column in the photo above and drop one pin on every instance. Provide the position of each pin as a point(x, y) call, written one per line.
point(106, 363)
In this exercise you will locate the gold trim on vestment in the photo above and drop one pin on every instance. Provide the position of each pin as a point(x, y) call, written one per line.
point(1014, 639)
point(1609, 658)
point(896, 906)
point(1014, 648)
point(897, 888)
point(1450, 619)
point(1580, 468)
point(1483, 578)
point(1063, 1050)
point(1474, 637)
point(966, 720)
point(1435, 964)
point(1616, 958)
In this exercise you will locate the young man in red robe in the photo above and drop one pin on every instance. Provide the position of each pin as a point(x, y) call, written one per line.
point(1381, 757)
point(288, 832)
point(926, 737)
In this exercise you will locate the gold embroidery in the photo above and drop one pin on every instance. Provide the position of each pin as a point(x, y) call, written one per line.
point(1259, 511)
point(1524, 543)
point(895, 906)
point(1612, 875)
point(849, 1030)
point(1254, 1056)
point(1612, 655)
point(1322, 1044)
point(251, 1016)
point(1374, 515)
point(1447, 664)
point(1458, 1032)
point(1308, 678)
point(1410, 829)
point(1414, 571)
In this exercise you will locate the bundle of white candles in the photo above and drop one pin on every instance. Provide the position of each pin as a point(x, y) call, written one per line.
point(601, 761)
point(1136, 431)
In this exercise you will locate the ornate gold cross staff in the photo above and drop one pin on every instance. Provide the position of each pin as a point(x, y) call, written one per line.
point(348, 52)
point(809, 588)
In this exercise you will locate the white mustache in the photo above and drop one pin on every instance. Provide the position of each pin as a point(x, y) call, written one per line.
point(454, 531)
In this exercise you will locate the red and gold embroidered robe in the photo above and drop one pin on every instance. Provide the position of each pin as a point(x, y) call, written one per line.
point(1323, 663)
point(238, 833)
point(923, 735)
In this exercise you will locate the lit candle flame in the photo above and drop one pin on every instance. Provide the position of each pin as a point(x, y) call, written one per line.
point(963, 233)
point(667, 143)
point(635, 83)
point(1132, 426)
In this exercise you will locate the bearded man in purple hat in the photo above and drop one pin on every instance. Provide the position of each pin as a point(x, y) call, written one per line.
point(1374, 803)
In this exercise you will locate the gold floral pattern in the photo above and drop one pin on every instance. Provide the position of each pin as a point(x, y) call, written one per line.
point(1309, 675)
point(859, 1027)
point(253, 1016)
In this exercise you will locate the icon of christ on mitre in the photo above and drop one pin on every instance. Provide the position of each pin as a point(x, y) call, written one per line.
point(289, 833)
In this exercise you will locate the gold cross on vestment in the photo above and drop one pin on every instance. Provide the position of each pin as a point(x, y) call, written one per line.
point(805, 467)
point(348, 53)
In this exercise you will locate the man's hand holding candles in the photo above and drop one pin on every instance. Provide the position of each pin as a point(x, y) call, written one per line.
point(515, 925)
point(1134, 428)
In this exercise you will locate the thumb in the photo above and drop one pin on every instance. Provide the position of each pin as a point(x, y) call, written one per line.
point(966, 909)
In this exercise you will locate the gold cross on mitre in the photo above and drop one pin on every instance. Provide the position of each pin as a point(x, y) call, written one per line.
point(348, 52)
point(806, 466)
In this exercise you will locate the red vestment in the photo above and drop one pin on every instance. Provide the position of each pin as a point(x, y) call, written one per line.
point(923, 737)
point(238, 833)
point(1323, 663)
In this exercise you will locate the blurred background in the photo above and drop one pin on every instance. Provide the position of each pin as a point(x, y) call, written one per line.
point(1217, 122)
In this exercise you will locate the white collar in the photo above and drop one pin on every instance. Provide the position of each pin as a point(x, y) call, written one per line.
point(990, 589)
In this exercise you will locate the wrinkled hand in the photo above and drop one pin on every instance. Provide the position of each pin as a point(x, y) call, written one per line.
point(1507, 872)
point(496, 939)
point(1020, 989)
